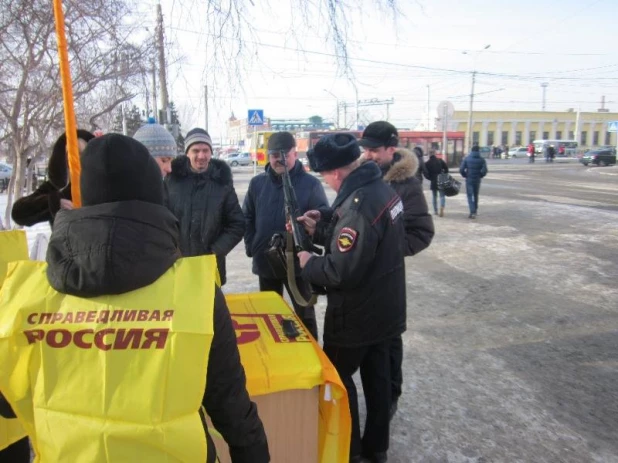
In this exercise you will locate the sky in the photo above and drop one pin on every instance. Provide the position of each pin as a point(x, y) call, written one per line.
point(290, 68)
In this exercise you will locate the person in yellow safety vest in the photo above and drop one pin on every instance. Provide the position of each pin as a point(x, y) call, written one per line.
point(106, 376)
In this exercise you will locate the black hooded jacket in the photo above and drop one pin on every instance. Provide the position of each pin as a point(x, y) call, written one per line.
point(207, 208)
point(113, 248)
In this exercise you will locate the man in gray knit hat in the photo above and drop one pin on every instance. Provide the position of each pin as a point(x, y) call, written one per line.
point(202, 197)
point(160, 143)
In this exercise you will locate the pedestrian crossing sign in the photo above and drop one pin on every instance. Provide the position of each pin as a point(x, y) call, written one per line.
point(612, 126)
point(255, 117)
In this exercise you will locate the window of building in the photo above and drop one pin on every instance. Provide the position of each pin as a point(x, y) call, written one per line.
point(584, 138)
point(518, 138)
point(475, 137)
point(607, 138)
point(571, 135)
point(595, 138)
point(545, 135)
point(490, 137)
point(532, 136)
point(505, 137)
point(558, 134)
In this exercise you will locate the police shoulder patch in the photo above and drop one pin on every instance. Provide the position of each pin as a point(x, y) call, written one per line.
point(396, 210)
point(346, 239)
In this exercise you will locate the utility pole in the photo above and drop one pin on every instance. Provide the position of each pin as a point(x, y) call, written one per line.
point(337, 104)
point(428, 106)
point(475, 56)
point(356, 119)
point(444, 127)
point(577, 121)
point(470, 111)
point(155, 111)
point(166, 118)
point(206, 107)
point(544, 85)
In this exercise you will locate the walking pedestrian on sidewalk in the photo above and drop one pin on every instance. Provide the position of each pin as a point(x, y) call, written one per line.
point(435, 167)
point(473, 169)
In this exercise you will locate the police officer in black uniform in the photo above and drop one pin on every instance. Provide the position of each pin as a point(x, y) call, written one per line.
point(363, 275)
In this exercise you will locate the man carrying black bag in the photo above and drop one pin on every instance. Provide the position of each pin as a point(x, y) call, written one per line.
point(265, 216)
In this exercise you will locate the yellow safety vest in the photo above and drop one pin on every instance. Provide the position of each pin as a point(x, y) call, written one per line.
point(13, 247)
point(113, 378)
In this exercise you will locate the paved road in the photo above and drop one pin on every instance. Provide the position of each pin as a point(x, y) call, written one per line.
point(511, 353)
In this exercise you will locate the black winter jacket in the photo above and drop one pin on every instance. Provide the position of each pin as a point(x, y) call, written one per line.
point(434, 167)
point(473, 168)
point(113, 248)
point(39, 206)
point(264, 210)
point(207, 208)
point(418, 224)
point(363, 270)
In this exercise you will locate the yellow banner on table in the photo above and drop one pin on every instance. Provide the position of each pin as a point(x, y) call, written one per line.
point(109, 378)
point(13, 247)
point(274, 362)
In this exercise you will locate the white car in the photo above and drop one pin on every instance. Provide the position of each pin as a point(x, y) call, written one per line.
point(520, 152)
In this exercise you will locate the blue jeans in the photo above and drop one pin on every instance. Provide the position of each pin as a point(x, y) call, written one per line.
point(472, 191)
point(434, 193)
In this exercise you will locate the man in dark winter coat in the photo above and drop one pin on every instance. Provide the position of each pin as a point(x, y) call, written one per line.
point(473, 169)
point(364, 276)
point(265, 215)
point(399, 169)
point(435, 167)
point(200, 193)
point(53, 194)
point(420, 171)
point(123, 215)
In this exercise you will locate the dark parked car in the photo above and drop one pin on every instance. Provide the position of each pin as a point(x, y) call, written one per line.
point(600, 157)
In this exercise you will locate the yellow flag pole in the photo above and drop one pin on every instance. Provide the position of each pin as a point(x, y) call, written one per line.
point(69, 112)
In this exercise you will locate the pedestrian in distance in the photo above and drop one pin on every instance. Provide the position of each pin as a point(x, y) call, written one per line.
point(473, 168)
point(531, 153)
point(436, 167)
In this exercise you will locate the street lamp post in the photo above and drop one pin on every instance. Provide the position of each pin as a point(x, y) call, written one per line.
point(471, 110)
point(337, 101)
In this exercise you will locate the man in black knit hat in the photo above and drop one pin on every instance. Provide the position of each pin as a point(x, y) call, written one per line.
point(124, 240)
point(363, 275)
point(202, 197)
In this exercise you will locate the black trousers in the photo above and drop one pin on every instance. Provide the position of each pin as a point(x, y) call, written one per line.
point(374, 365)
point(306, 314)
point(18, 452)
point(396, 359)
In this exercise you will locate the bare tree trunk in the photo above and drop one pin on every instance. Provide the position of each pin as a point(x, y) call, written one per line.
point(9, 203)
point(30, 173)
